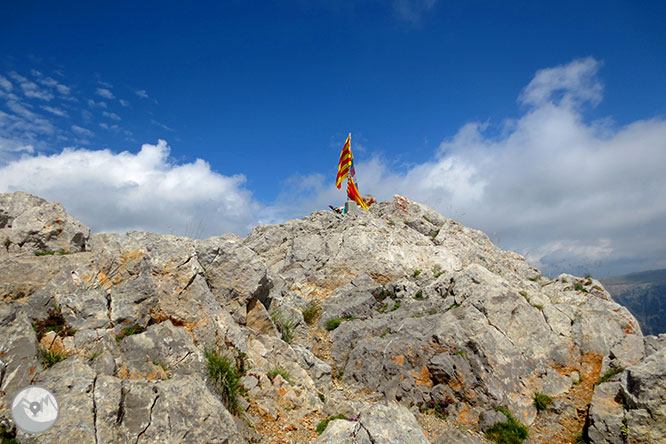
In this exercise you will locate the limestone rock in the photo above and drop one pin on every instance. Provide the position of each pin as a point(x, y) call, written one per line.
point(434, 317)
point(29, 223)
point(376, 424)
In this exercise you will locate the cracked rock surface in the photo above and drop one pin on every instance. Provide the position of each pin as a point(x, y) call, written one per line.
point(411, 326)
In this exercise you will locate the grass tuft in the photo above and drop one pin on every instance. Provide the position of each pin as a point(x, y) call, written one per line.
point(311, 312)
point(419, 295)
point(225, 378)
point(51, 357)
point(507, 432)
point(285, 326)
point(610, 374)
point(277, 370)
point(324, 422)
point(129, 331)
point(332, 324)
point(416, 273)
point(579, 287)
point(541, 401)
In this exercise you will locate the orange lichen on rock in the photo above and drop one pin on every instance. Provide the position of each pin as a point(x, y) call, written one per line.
point(423, 377)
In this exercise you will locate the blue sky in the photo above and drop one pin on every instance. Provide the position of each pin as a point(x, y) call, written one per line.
point(541, 123)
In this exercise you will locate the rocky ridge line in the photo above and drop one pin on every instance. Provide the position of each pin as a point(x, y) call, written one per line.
point(436, 328)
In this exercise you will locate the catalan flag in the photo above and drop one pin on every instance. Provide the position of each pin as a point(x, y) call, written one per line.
point(346, 162)
point(354, 195)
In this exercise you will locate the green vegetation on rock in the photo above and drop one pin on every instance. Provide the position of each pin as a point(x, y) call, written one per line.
point(507, 432)
point(225, 377)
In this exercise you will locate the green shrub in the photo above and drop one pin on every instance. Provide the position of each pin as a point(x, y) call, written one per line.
point(534, 278)
point(332, 324)
point(51, 357)
point(419, 295)
point(523, 293)
point(324, 422)
point(416, 273)
point(435, 407)
point(44, 253)
point(580, 438)
point(7, 437)
point(55, 322)
point(310, 312)
point(160, 364)
point(431, 311)
point(437, 272)
point(454, 305)
point(507, 432)
point(277, 370)
point(541, 401)
point(539, 306)
point(579, 287)
point(285, 327)
point(396, 306)
point(129, 331)
point(225, 378)
point(610, 374)
point(6, 243)
point(434, 234)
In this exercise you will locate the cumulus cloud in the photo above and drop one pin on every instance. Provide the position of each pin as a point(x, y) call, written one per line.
point(142, 93)
point(104, 92)
point(570, 194)
point(143, 191)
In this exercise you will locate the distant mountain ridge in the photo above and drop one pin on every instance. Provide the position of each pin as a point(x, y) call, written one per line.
point(644, 294)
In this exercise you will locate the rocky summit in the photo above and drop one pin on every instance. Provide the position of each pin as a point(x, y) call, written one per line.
point(393, 325)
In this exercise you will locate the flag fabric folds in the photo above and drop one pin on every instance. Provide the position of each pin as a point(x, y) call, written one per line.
point(354, 195)
point(346, 163)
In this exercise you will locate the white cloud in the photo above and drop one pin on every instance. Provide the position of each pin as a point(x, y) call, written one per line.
point(80, 131)
point(113, 116)
point(575, 82)
point(412, 10)
point(104, 92)
point(161, 125)
point(51, 82)
point(93, 104)
point(31, 89)
point(144, 191)
point(570, 194)
point(6, 84)
point(123, 102)
point(11, 149)
point(62, 89)
point(54, 110)
point(142, 93)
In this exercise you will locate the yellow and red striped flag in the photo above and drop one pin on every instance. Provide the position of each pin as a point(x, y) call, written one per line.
point(354, 195)
point(345, 163)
